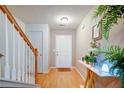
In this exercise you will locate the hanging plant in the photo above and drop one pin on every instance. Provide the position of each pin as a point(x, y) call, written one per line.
point(109, 16)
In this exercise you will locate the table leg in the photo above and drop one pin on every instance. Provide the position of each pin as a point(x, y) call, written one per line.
point(89, 83)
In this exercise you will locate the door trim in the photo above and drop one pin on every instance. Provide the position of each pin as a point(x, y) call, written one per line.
point(42, 48)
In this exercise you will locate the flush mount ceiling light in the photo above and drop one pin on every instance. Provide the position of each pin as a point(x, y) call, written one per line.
point(64, 20)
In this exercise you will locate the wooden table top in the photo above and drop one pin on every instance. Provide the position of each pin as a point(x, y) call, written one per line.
point(96, 70)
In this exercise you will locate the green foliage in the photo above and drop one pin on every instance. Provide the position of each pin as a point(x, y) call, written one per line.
point(115, 55)
point(89, 58)
point(110, 15)
point(100, 10)
point(122, 81)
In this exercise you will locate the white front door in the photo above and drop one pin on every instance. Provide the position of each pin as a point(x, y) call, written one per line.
point(36, 38)
point(63, 50)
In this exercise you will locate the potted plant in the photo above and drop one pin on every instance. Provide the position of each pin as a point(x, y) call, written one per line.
point(115, 55)
point(89, 59)
point(86, 59)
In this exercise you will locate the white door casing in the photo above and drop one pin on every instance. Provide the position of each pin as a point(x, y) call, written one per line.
point(36, 38)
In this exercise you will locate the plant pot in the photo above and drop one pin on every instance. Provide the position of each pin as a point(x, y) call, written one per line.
point(90, 63)
point(87, 62)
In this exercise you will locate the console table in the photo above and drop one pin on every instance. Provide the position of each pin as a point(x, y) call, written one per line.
point(93, 72)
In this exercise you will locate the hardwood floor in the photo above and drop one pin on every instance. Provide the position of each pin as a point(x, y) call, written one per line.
point(60, 78)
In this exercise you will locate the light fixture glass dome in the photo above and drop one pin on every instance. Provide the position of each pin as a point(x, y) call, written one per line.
point(64, 20)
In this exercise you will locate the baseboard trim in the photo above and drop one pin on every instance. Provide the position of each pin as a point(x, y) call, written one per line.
point(80, 74)
point(58, 67)
point(61, 67)
point(52, 67)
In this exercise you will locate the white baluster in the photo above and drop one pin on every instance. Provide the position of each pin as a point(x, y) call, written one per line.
point(29, 66)
point(26, 62)
point(7, 68)
point(23, 60)
point(28, 71)
point(0, 45)
point(19, 68)
point(32, 68)
point(16, 54)
point(14, 58)
point(31, 74)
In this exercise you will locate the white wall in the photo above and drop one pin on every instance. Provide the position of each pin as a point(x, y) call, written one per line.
point(84, 37)
point(46, 41)
point(21, 24)
point(52, 56)
point(116, 36)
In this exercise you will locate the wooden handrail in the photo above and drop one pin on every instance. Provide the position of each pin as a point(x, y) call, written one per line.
point(5, 10)
point(17, 27)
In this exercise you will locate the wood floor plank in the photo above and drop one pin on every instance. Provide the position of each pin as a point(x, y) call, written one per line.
point(58, 78)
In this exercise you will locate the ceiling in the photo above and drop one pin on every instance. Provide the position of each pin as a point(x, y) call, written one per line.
point(50, 14)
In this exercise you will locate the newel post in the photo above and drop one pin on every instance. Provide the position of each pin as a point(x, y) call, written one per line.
point(36, 61)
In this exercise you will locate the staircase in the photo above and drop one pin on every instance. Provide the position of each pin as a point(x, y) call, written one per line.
point(18, 66)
